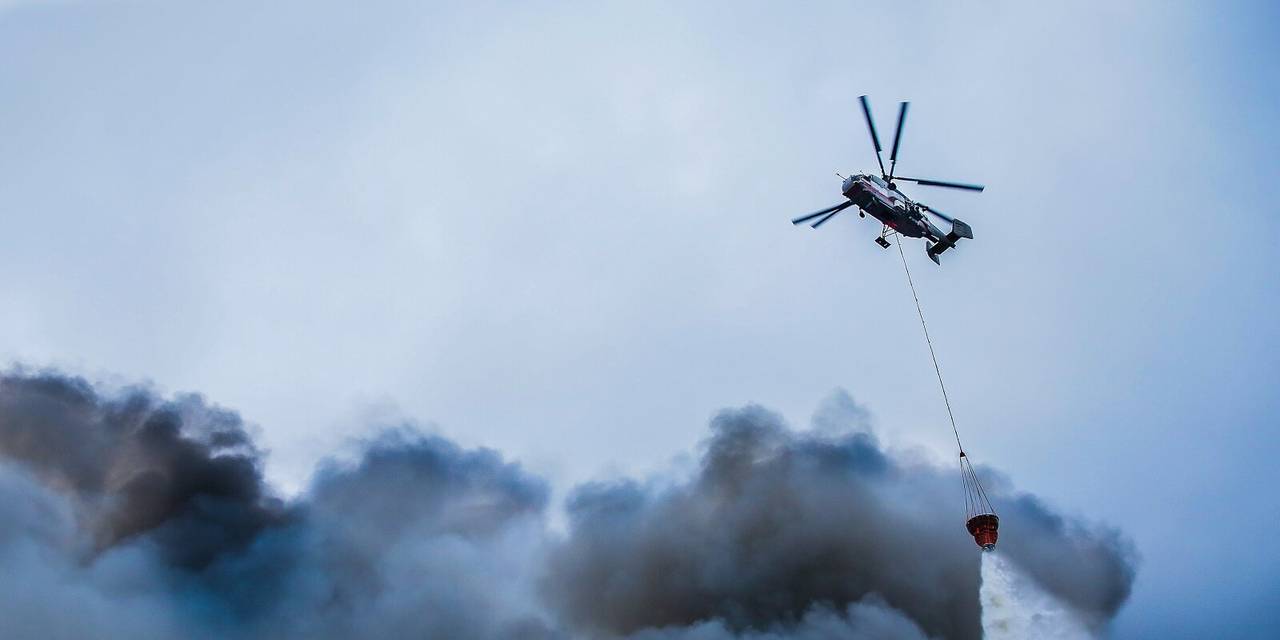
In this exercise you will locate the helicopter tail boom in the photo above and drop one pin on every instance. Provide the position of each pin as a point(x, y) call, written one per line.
point(958, 230)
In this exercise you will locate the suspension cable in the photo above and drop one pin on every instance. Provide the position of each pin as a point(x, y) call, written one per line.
point(898, 240)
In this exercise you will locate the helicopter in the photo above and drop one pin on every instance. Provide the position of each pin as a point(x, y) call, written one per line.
point(880, 197)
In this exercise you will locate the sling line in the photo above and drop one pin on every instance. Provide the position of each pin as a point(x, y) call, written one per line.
point(975, 496)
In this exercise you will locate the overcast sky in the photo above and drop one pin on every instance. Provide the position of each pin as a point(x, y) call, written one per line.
point(562, 232)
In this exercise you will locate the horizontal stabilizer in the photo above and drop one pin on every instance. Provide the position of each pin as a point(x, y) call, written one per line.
point(958, 230)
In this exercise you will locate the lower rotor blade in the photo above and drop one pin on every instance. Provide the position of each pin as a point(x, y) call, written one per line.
point(940, 183)
point(835, 207)
point(829, 216)
point(936, 212)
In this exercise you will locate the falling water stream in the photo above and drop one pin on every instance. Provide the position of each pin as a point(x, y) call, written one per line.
point(1015, 607)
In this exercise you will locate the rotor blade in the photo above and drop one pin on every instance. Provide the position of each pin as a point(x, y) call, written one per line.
point(940, 183)
point(836, 207)
point(871, 126)
point(897, 137)
point(829, 216)
point(936, 212)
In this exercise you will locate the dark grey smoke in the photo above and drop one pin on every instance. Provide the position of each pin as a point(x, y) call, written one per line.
point(184, 474)
point(777, 525)
point(150, 518)
point(418, 539)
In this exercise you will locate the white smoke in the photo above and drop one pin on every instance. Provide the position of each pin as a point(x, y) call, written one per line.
point(1014, 607)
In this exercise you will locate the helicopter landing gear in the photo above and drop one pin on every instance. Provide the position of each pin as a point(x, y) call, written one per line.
point(884, 234)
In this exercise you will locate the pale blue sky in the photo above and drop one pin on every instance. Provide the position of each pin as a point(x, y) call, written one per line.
point(561, 231)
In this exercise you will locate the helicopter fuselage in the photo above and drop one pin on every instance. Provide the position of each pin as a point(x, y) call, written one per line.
point(874, 196)
point(877, 195)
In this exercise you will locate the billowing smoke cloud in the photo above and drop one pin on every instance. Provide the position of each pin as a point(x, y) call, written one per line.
point(778, 525)
point(184, 473)
point(150, 518)
point(155, 513)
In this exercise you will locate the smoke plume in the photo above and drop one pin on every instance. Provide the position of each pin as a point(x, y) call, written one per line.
point(777, 525)
point(149, 517)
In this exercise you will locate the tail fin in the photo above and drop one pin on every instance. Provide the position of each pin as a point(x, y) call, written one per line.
point(958, 230)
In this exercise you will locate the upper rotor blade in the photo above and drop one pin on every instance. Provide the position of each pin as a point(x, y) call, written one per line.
point(940, 183)
point(936, 212)
point(897, 137)
point(871, 126)
point(832, 208)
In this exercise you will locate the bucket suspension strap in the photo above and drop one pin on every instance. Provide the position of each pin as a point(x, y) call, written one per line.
point(975, 497)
